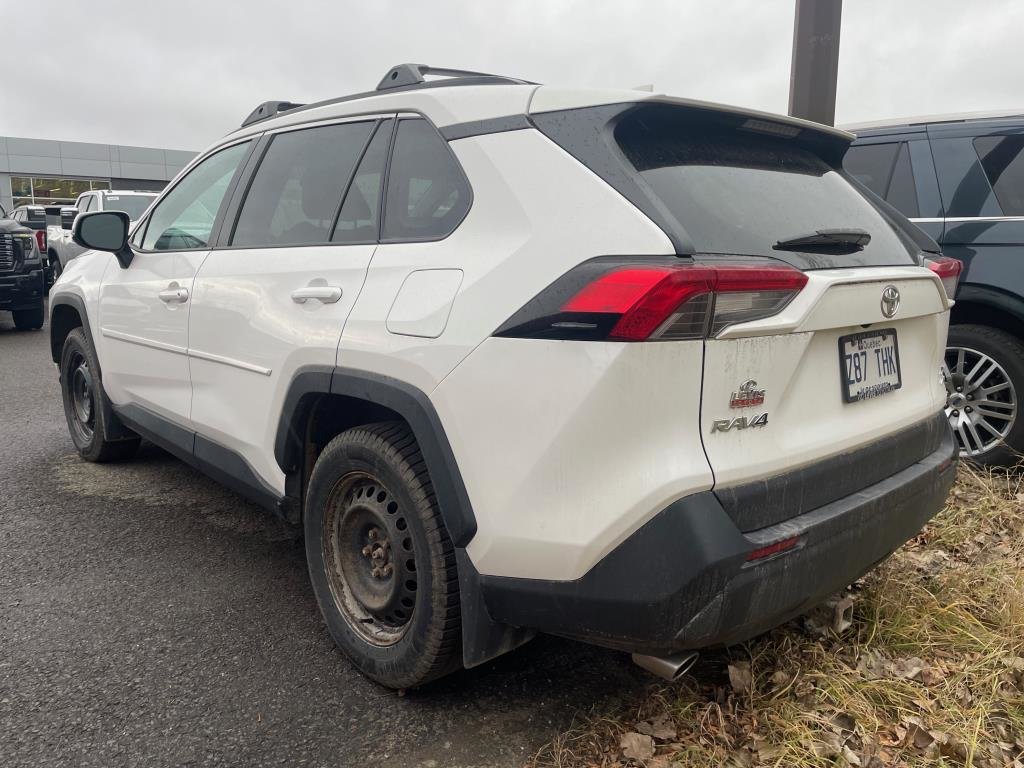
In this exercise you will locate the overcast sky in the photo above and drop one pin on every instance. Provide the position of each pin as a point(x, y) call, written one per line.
point(180, 73)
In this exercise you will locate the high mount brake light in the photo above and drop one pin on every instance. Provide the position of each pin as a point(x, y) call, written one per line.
point(619, 300)
point(948, 270)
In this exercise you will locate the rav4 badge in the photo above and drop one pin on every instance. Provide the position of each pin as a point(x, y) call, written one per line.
point(741, 422)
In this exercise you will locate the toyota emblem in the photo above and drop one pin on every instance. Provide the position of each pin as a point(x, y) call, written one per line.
point(890, 300)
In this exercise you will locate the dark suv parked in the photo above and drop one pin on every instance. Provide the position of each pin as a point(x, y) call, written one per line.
point(961, 179)
point(22, 285)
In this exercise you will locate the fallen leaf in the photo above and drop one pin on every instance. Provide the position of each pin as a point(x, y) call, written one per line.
point(660, 728)
point(740, 677)
point(850, 756)
point(637, 746)
point(907, 669)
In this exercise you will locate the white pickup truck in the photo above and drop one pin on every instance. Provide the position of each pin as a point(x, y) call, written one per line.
point(60, 219)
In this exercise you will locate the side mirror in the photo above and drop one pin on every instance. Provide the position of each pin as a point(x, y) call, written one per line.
point(67, 218)
point(104, 231)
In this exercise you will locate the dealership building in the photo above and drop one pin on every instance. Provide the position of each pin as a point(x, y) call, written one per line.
point(43, 172)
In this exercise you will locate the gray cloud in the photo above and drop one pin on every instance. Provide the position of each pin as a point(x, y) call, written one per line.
point(181, 73)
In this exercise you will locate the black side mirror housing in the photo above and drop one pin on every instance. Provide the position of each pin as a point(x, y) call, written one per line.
point(67, 218)
point(104, 231)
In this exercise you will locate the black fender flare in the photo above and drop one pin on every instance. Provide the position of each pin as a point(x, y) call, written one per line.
point(992, 297)
point(113, 428)
point(407, 401)
point(482, 637)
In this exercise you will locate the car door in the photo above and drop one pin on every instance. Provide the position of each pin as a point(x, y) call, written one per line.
point(275, 297)
point(143, 310)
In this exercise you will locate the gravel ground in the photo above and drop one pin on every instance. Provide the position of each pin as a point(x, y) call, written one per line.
point(151, 617)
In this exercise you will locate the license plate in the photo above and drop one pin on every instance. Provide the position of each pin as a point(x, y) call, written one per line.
point(869, 364)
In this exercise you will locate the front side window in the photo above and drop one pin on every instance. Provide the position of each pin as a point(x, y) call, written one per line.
point(85, 204)
point(297, 190)
point(428, 195)
point(1002, 157)
point(184, 218)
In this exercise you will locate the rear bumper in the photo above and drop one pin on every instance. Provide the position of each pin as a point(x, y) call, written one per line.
point(682, 581)
point(23, 291)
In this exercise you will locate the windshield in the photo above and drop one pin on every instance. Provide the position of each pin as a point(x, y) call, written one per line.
point(740, 192)
point(133, 205)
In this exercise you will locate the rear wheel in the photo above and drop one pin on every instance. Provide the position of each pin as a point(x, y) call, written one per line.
point(80, 388)
point(55, 266)
point(380, 559)
point(984, 373)
point(28, 319)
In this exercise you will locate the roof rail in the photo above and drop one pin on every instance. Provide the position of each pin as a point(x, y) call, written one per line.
point(406, 75)
point(267, 110)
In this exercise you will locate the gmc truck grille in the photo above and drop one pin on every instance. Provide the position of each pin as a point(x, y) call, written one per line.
point(6, 252)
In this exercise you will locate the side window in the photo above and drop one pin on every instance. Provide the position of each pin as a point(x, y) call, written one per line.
point(1002, 157)
point(85, 203)
point(428, 195)
point(871, 165)
point(902, 193)
point(360, 213)
point(184, 218)
point(298, 187)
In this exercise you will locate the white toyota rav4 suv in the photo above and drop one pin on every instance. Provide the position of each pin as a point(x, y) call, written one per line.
point(647, 372)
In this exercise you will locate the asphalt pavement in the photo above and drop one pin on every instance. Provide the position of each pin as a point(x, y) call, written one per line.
point(150, 617)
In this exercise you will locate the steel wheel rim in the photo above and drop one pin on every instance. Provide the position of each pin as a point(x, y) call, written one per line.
point(981, 402)
point(372, 577)
point(80, 391)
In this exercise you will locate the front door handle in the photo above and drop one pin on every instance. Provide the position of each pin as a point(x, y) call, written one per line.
point(173, 294)
point(327, 294)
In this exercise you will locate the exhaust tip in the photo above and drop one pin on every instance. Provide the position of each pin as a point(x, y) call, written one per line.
point(669, 668)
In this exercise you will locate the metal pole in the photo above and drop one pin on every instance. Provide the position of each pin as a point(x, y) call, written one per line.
point(815, 68)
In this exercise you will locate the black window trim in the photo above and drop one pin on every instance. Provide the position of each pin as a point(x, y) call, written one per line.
point(218, 220)
point(236, 193)
point(224, 242)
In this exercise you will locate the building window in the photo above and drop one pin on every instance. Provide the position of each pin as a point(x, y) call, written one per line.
point(42, 190)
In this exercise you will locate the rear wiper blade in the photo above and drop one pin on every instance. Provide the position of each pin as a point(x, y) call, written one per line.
point(826, 240)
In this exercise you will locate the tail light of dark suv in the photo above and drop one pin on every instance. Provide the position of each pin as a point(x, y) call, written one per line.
point(617, 299)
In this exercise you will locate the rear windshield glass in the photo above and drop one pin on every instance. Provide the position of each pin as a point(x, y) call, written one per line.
point(738, 191)
point(133, 205)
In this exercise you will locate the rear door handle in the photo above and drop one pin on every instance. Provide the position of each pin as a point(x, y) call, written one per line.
point(327, 294)
point(173, 294)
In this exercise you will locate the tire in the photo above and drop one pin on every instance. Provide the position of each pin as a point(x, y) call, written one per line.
point(55, 266)
point(370, 497)
point(81, 391)
point(991, 433)
point(29, 319)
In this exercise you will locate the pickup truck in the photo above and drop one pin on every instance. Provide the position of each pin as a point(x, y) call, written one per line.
point(21, 274)
point(60, 247)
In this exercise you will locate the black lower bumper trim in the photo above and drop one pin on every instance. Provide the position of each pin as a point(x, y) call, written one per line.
point(21, 291)
point(682, 581)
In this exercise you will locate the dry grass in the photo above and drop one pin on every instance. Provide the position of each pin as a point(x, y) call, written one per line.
point(930, 672)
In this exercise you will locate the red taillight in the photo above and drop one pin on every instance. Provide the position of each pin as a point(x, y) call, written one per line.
point(685, 301)
point(773, 549)
point(41, 240)
point(948, 270)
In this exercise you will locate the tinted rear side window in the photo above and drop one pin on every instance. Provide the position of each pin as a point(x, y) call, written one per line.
point(1002, 157)
point(871, 165)
point(428, 195)
point(360, 214)
point(297, 189)
point(738, 191)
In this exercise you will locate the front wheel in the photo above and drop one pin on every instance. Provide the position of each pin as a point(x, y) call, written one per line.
point(28, 319)
point(984, 373)
point(380, 558)
point(82, 395)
